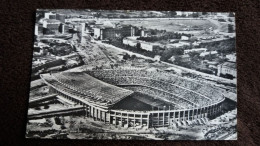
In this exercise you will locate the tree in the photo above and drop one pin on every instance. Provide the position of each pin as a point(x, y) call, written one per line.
point(122, 16)
point(46, 106)
point(177, 60)
point(222, 60)
point(193, 39)
point(153, 32)
point(172, 13)
point(98, 14)
point(210, 57)
point(178, 51)
point(133, 57)
point(126, 56)
point(230, 28)
point(138, 46)
point(195, 15)
point(193, 54)
point(231, 14)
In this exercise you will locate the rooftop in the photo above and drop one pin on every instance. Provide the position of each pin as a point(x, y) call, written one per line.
point(185, 56)
point(51, 21)
point(229, 64)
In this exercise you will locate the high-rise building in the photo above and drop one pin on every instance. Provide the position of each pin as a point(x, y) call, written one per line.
point(51, 26)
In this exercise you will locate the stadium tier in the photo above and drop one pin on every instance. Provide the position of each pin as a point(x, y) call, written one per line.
point(86, 87)
point(194, 93)
point(166, 99)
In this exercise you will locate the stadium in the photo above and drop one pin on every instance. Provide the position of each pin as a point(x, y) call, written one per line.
point(138, 97)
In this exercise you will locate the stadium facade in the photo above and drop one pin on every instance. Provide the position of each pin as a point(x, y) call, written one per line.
point(100, 90)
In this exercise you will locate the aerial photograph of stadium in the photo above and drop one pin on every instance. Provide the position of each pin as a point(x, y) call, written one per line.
point(133, 75)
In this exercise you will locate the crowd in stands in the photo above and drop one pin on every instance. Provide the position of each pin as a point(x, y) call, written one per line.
point(178, 102)
point(175, 87)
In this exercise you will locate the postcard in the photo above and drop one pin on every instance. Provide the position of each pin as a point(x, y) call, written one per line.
point(133, 75)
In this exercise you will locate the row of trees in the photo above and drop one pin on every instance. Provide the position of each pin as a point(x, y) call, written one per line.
point(225, 46)
point(165, 36)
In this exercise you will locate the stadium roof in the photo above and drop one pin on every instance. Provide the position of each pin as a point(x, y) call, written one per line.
point(85, 84)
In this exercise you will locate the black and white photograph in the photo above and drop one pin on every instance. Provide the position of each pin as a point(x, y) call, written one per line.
point(133, 75)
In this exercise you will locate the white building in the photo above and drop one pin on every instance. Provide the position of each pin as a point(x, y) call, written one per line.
point(98, 33)
point(227, 68)
point(185, 38)
point(231, 57)
point(178, 45)
point(131, 41)
point(157, 58)
point(145, 33)
point(50, 15)
point(199, 50)
point(76, 20)
point(36, 30)
point(196, 43)
point(180, 13)
point(148, 46)
point(203, 54)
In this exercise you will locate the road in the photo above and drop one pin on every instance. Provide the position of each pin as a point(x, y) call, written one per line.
point(133, 19)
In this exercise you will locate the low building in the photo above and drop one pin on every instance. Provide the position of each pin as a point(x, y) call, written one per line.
point(185, 38)
point(178, 45)
point(196, 44)
point(157, 58)
point(173, 40)
point(211, 64)
point(148, 46)
point(227, 69)
point(203, 54)
point(143, 45)
point(199, 50)
point(185, 58)
point(181, 13)
point(231, 57)
point(70, 20)
point(130, 42)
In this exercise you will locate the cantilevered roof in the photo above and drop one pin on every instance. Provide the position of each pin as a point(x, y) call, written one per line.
point(89, 87)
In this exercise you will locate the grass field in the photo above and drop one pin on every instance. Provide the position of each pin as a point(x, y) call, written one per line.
point(170, 25)
point(131, 103)
point(141, 102)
